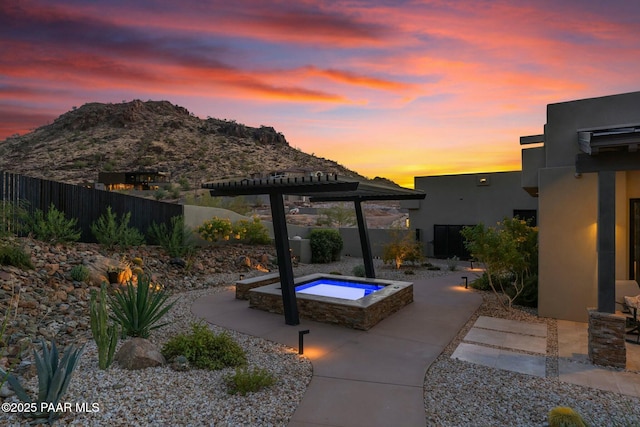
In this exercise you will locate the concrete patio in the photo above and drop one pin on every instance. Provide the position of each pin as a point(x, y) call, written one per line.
point(375, 377)
point(522, 347)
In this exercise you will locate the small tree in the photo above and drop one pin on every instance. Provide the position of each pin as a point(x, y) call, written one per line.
point(337, 216)
point(402, 247)
point(510, 248)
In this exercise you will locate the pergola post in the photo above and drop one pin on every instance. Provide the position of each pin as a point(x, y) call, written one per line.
point(363, 231)
point(281, 236)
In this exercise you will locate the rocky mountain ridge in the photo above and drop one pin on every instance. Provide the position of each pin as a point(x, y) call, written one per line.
point(156, 135)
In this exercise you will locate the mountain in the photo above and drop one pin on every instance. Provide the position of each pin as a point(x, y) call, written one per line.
point(155, 135)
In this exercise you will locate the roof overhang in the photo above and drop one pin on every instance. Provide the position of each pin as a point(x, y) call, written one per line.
point(621, 138)
point(608, 149)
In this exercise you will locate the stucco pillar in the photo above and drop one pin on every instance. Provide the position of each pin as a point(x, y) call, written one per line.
point(606, 241)
point(606, 329)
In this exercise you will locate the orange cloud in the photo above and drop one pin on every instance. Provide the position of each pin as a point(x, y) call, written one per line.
point(393, 89)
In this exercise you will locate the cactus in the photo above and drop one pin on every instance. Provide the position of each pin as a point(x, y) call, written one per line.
point(563, 416)
point(54, 375)
point(104, 334)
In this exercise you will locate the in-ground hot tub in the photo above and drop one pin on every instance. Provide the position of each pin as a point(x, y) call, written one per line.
point(354, 302)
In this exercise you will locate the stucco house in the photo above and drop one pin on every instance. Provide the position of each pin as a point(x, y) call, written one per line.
point(585, 170)
point(455, 201)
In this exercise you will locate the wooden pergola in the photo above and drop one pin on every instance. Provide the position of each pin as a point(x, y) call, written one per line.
point(324, 188)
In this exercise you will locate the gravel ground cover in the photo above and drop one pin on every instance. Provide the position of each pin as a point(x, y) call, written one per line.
point(456, 393)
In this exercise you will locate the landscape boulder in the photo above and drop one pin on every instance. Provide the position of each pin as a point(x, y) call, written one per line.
point(139, 353)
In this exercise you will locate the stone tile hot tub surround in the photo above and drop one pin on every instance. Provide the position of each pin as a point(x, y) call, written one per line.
point(362, 313)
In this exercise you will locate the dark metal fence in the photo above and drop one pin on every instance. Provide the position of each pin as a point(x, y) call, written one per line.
point(84, 204)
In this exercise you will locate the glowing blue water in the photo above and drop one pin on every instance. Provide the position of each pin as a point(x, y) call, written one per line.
point(338, 288)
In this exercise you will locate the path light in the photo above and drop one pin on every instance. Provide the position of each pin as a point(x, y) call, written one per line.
point(301, 335)
point(242, 277)
point(466, 284)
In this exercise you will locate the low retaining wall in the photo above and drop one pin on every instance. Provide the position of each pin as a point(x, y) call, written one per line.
point(245, 285)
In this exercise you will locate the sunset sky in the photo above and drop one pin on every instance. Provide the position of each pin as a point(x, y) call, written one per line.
point(387, 88)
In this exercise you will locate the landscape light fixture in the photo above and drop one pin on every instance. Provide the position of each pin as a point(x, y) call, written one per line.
point(242, 277)
point(466, 284)
point(301, 335)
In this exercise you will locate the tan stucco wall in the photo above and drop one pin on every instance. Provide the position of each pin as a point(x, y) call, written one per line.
point(568, 209)
point(567, 246)
point(459, 200)
point(569, 264)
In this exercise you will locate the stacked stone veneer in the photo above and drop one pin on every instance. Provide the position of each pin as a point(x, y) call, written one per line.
point(244, 286)
point(607, 339)
point(358, 314)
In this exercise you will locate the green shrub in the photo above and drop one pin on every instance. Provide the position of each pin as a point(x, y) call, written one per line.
point(563, 416)
point(139, 308)
point(184, 184)
point(104, 334)
point(54, 375)
point(204, 349)
point(176, 240)
point(481, 283)
point(529, 295)
point(160, 194)
point(174, 191)
point(248, 381)
point(53, 227)
point(452, 263)
point(509, 248)
point(110, 232)
point(80, 273)
point(358, 271)
point(253, 232)
point(401, 248)
point(12, 218)
point(216, 229)
point(15, 256)
point(326, 245)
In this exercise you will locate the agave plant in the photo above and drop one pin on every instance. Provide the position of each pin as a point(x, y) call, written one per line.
point(139, 307)
point(54, 375)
